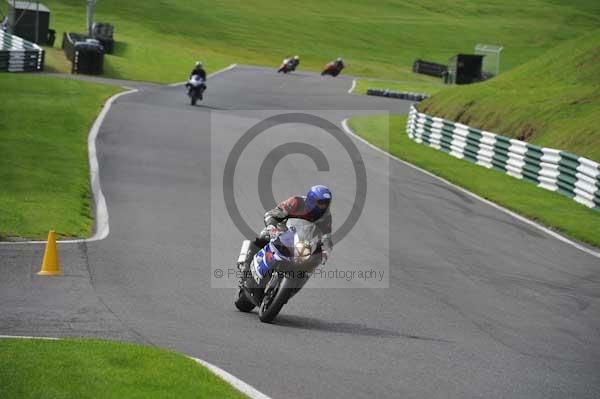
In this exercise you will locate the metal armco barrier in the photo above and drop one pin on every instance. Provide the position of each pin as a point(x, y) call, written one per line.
point(396, 94)
point(570, 175)
point(18, 55)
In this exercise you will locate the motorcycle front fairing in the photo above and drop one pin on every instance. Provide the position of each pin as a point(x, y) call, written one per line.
point(196, 80)
point(295, 252)
point(196, 83)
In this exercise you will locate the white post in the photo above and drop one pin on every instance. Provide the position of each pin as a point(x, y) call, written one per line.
point(37, 22)
point(498, 64)
point(498, 60)
point(13, 24)
point(90, 15)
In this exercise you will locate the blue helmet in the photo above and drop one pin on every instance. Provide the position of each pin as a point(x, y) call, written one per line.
point(318, 199)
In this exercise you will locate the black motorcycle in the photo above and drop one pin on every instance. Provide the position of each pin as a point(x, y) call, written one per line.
point(196, 87)
point(296, 252)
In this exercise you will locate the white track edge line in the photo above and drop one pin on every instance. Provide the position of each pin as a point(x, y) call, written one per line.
point(238, 384)
point(28, 337)
point(229, 378)
point(209, 75)
point(102, 227)
point(488, 202)
point(353, 86)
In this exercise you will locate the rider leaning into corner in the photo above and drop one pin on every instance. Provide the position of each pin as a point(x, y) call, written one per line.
point(339, 63)
point(292, 61)
point(296, 61)
point(313, 207)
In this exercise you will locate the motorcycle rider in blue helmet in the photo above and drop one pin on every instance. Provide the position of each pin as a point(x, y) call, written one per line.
point(313, 207)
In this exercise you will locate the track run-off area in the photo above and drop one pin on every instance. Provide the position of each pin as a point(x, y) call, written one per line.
point(472, 301)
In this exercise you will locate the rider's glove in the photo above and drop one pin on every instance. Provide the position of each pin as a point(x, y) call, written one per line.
point(274, 231)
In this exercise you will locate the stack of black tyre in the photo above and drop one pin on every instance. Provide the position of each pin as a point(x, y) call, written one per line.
point(394, 94)
point(86, 55)
point(103, 32)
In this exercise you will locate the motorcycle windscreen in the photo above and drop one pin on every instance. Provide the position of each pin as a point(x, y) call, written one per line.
point(299, 232)
point(306, 231)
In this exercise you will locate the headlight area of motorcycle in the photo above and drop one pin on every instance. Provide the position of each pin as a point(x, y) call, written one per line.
point(302, 251)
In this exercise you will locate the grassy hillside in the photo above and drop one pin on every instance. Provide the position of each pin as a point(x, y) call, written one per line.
point(44, 178)
point(158, 40)
point(552, 101)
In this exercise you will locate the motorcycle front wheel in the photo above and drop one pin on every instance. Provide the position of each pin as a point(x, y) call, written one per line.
point(275, 297)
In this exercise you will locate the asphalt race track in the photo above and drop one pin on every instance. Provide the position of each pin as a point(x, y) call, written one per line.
point(477, 304)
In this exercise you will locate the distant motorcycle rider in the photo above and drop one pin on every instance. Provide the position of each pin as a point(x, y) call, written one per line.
point(195, 84)
point(284, 64)
point(334, 67)
point(313, 207)
point(289, 64)
point(198, 70)
point(295, 61)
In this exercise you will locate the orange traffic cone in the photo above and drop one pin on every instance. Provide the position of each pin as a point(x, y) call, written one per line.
point(50, 266)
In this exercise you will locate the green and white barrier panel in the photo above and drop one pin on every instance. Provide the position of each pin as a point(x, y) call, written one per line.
point(573, 176)
point(18, 55)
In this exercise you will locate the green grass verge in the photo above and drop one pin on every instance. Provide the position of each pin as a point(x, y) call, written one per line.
point(102, 369)
point(55, 60)
point(44, 175)
point(553, 210)
point(413, 84)
point(552, 101)
point(159, 40)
